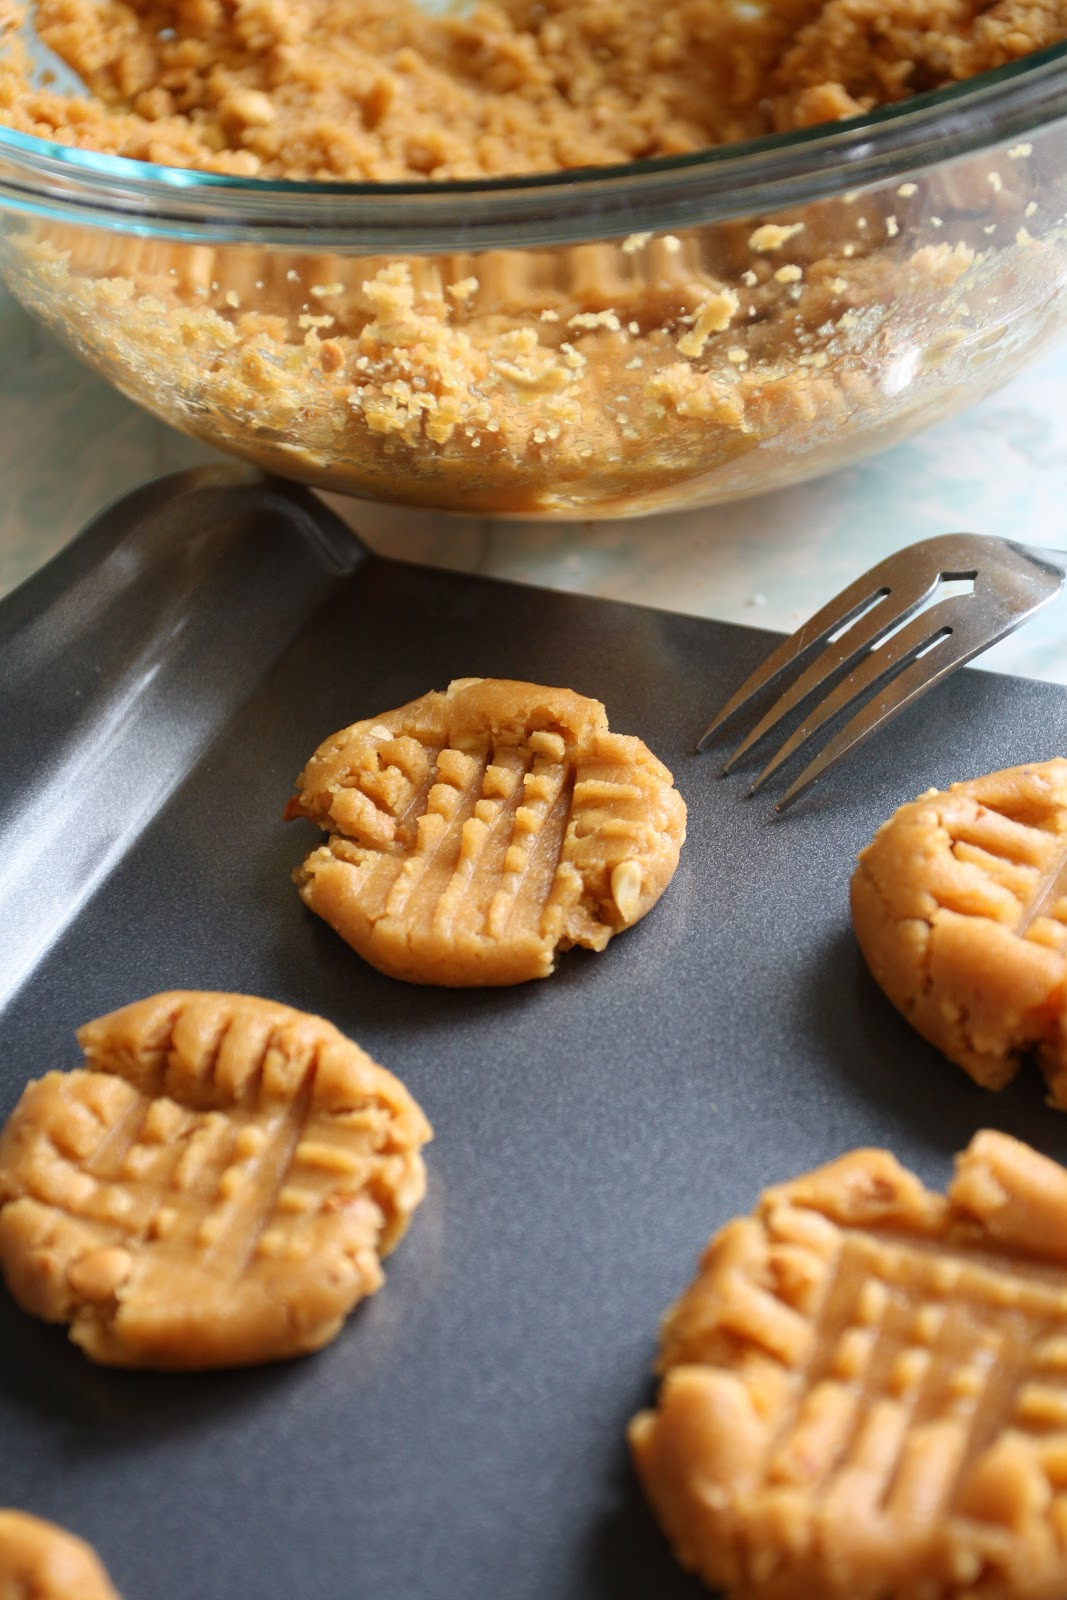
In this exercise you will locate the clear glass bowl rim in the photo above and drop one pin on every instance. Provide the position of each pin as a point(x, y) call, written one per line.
point(761, 176)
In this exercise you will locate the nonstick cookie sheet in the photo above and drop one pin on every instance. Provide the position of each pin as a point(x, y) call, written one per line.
point(161, 684)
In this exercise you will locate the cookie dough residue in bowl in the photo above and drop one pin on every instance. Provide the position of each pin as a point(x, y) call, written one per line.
point(618, 376)
point(376, 89)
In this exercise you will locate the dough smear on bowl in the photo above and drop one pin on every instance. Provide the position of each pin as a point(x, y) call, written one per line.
point(960, 908)
point(478, 830)
point(40, 1561)
point(215, 1188)
point(864, 1390)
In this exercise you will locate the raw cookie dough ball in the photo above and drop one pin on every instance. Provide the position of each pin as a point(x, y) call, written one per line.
point(475, 832)
point(39, 1561)
point(960, 908)
point(863, 1389)
point(215, 1188)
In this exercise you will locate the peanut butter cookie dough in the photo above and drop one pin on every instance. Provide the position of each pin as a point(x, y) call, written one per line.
point(475, 832)
point(863, 1391)
point(379, 90)
point(40, 1561)
point(613, 378)
point(960, 908)
point(215, 1188)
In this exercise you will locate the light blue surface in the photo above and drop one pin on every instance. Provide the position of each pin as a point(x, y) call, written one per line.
point(69, 444)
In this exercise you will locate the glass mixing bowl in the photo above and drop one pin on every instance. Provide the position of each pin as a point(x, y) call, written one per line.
point(609, 341)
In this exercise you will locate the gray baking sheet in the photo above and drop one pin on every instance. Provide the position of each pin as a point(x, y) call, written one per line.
point(161, 683)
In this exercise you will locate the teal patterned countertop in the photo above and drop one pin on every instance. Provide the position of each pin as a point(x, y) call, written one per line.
point(69, 444)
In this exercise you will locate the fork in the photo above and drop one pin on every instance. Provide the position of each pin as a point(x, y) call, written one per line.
point(886, 639)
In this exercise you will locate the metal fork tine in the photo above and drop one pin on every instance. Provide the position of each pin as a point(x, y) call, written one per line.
point(966, 634)
point(867, 652)
point(909, 684)
point(876, 668)
point(835, 659)
point(868, 591)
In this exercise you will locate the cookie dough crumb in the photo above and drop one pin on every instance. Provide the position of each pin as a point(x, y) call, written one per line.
point(713, 316)
point(773, 235)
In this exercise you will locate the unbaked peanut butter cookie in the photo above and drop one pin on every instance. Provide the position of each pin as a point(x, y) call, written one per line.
point(476, 831)
point(216, 1187)
point(864, 1390)
point(959, 904)
point(39, 1561)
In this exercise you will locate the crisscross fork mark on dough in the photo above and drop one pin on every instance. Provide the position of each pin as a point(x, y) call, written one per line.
point(605, 811)
point(1016, 856)
point(100, 1191)
point(231, 1193)
point(488, 839)
point(497, 848)
point(900, 1394)
point(109, 1157)
point(375, 799)
point(212, 1181)
point(405, 819)
point(602, 808)
point(177, 1165)
point(119, 1137)
point(533, 858)
point(249, 1192)
point(416, 880)
point(1050, 891)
